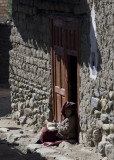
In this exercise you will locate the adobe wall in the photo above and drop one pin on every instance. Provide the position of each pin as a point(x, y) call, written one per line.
point(30, 65)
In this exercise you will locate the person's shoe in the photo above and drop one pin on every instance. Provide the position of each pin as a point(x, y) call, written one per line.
point(38, 142)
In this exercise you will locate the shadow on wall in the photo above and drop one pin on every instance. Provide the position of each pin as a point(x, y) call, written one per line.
point(5, 46)
point(32, 19)
point(89, 51)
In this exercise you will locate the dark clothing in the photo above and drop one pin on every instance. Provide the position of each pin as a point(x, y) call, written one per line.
point(66, 129)
point(49, 136)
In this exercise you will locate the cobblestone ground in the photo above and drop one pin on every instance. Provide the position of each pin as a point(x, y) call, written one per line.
point(5, 103)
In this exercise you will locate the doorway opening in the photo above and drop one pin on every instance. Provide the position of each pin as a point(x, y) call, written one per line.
point(72, 79)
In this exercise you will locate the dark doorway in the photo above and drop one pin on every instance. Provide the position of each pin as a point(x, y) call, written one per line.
point(72, 78)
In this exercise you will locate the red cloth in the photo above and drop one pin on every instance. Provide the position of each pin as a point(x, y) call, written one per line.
point(57, 142)
point(49, 136)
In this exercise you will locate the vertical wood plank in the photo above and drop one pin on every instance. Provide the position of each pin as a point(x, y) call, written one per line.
point(58, 107)
point(57, 70)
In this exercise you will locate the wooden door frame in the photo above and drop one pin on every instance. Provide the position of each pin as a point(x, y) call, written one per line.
point(53, 58)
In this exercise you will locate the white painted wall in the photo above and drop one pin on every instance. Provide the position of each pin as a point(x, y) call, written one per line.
point(93, 42)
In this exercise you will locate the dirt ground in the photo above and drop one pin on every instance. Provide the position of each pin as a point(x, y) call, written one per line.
point(17, 151)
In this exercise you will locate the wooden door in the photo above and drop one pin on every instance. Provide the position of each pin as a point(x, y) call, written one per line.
point(60, 80)
point(64, 44)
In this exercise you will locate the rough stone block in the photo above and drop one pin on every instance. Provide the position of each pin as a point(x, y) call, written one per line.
point(33, 147)
point(96, 93)
point(99, 124)
point(110, 138)
point(106, 127)
point(103, 103)
point(101, 147)
point(97, 135)
point(29, 121)
point(111, 95)
point(109, 151)
point(111, 105)
point(97, 113)
point(27, 112)
point(95, 102)
point(104, 118)
point(22, 119)
point(112, 127)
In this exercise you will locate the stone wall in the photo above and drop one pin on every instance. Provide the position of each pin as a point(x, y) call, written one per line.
point(30, 65)
point(97, 95)
point(30, 58)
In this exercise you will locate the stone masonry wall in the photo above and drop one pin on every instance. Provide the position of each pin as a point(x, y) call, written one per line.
point(30, 67)
point(30, 58)
point(97, 96)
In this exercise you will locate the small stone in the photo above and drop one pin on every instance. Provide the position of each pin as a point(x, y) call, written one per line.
point(104, 118)
point(110, 138)
point(44, 88)
point(33, 147)
point(31, 102)
point(95, 102)
point(65, 145)
point(106, 127)
point(16, 115)
point(22, 119)
point(27, 103)
point(3, 130)
point(99, 124)
point(103, 103)
point(101, 147)
point(29, 121)
point(104, 137)
point(97, 113)
point(112, 127)
point(111, 117)
point(109, 151)
point(97, 135)
point(111, 95)
point(111, 105)
point(27, 112)
point(21, 132)
point(96, 93)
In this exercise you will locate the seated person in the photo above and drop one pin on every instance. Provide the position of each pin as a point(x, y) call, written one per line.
point(64, 130)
